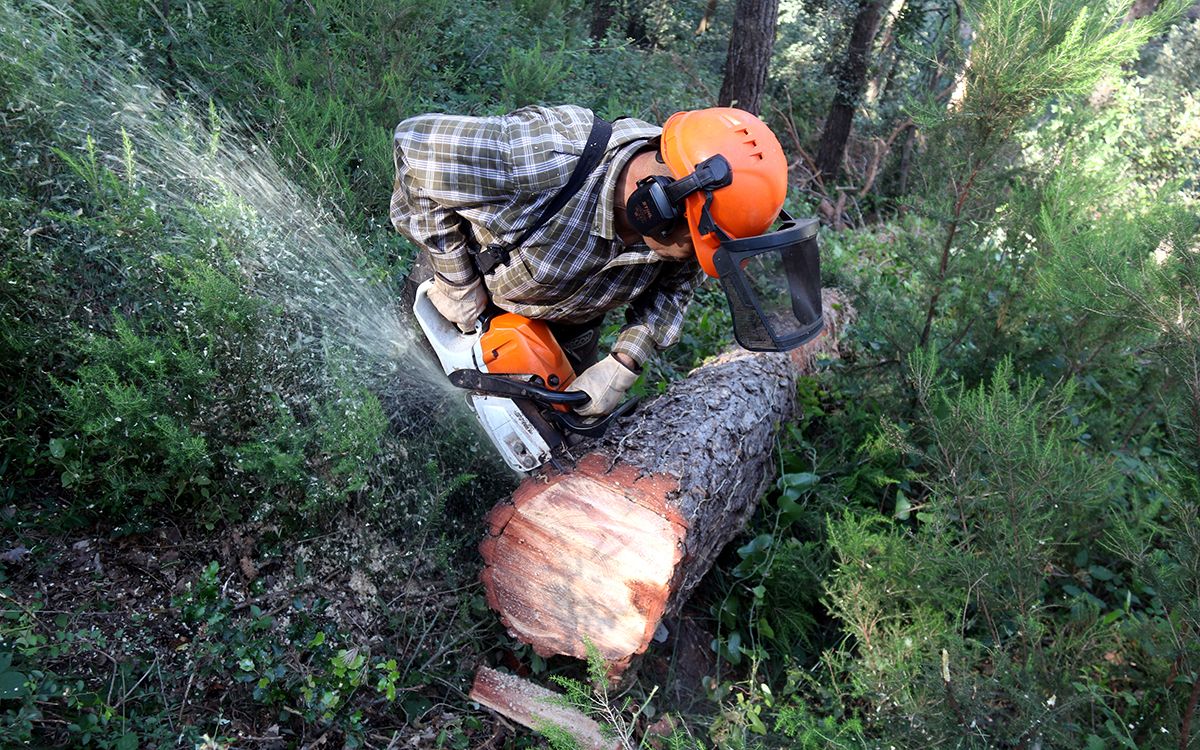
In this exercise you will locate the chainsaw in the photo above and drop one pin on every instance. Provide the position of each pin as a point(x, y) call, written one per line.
point(516, 375)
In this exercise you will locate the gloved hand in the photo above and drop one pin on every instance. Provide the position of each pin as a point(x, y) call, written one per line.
point(461, 305)
point(605, 382)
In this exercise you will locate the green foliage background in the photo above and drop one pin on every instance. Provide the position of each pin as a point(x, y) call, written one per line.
point(984, 532)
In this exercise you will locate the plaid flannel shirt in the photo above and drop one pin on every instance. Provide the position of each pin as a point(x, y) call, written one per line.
point(474, 181)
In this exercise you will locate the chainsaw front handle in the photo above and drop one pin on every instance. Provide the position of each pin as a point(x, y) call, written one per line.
point(596, 427)
point(498, 385)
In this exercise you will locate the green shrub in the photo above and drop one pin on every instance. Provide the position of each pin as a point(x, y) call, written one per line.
point(965, 620)
point(127, 435)
point(528, 76)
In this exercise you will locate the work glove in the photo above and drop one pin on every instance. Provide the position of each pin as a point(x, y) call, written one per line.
point(605, 383)
point(461, 305)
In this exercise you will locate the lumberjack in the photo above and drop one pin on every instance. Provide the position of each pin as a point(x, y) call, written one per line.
point(639, 215)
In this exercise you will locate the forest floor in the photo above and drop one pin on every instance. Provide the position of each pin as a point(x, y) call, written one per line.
point(145, 620)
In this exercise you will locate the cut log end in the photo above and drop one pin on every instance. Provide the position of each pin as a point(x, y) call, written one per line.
point(590, 554)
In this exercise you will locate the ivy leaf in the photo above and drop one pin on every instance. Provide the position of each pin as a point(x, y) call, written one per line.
point(733, 648)
point(1101, 573)
point(756, 724)
point(765, 628)
point(754, 546)
point(752, 553)
point(797, 482)
point(12, 684)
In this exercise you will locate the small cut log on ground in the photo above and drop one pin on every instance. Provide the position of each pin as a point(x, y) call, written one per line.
point(536, 707)
point(603, 551)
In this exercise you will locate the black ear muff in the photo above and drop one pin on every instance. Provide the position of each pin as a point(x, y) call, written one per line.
point(657, 204)
point(649, 209)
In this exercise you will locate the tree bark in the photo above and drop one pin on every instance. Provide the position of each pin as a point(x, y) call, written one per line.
point(603, 12)
point(1141, 9)
point(635, 24)
point(887, 54)
point(966, 39)
point(606, 549)
point(850, 78)
point(906, 155)
point(749, 56)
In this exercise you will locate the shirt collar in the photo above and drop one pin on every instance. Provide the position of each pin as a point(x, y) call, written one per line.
point(631, 136)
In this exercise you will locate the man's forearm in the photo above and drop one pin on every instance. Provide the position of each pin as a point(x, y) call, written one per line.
point(627, 360)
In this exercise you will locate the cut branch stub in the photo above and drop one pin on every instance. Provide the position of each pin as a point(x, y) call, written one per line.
point(536, 707)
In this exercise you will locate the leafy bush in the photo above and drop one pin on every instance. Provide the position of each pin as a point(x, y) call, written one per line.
point(162, 390)
point(964, 625)
point(127, 420)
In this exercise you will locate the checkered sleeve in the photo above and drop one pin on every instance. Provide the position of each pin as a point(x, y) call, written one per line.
point(447, 166)
point(654, 320)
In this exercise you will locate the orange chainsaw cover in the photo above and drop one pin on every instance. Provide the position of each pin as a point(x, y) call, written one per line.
point(516, 345)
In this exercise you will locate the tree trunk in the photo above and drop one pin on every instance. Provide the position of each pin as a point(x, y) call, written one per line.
point(606, 549)
point(635, 24)
point(887, 54)
point(602, 16)
point(710, 10)
point(906, 161)
point(850, 78)
point(749, 57)
point(1141, 9)
point(966, 38)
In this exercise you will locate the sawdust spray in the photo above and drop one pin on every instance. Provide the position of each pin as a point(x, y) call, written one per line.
point(299, 258)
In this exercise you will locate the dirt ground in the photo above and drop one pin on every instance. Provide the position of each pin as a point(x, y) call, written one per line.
point(118, 615)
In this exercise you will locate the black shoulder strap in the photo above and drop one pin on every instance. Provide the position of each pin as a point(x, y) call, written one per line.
point(493, 255)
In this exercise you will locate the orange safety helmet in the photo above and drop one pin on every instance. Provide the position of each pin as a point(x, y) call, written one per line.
point(748, 205)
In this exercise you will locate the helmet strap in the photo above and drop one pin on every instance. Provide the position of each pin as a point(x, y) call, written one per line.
point(707, 225)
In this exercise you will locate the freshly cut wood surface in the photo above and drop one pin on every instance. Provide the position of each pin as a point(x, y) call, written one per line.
point(589, 553)
point(604, 550)
point(535, 707)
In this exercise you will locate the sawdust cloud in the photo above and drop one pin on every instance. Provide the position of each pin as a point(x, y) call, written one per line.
point(296, 255)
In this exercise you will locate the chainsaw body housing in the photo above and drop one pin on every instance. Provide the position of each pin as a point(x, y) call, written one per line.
point(508, 345)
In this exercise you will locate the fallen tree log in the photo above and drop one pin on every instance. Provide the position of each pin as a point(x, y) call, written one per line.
point(603, 551)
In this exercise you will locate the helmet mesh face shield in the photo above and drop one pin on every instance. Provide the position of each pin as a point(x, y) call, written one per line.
point(773, 285)
point(772, 280)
